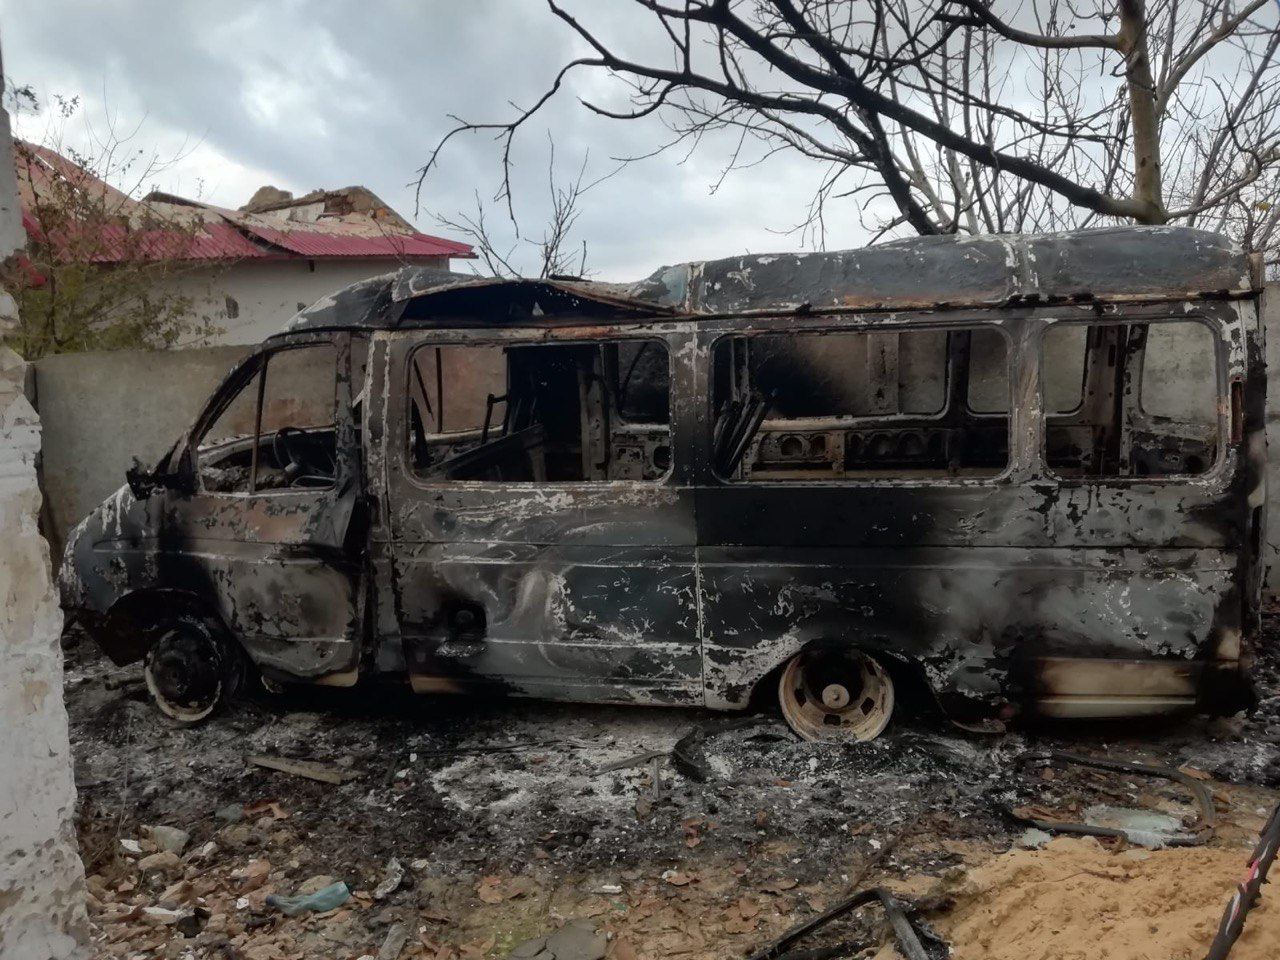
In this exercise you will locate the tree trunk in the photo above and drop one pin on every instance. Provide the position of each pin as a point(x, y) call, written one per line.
point(1148, 192)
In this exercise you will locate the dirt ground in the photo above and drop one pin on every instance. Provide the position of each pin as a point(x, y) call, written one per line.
point(466, 830)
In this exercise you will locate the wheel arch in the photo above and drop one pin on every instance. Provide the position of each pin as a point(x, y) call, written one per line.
point(121, 631)
point(907, 673)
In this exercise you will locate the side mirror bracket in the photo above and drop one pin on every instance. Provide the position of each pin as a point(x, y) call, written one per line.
point(143, 482)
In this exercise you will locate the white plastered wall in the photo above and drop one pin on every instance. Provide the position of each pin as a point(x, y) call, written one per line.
point(42, 911)
point(264, 294)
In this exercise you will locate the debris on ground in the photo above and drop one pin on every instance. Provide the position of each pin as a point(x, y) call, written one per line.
point(907, 940)
point(302, 768)
point(169, 839)
point(392, 877)
point(394, 944)
point(1143, 828)
point(320, 899)
point(576, 940)
point(481, 825)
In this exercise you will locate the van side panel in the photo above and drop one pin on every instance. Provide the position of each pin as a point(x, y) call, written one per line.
point(1076, 597)
point(932, 578)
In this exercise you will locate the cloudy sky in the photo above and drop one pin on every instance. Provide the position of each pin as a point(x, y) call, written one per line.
point(336, 92)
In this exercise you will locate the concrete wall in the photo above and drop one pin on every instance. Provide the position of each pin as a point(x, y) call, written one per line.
point(102, 409)
point(264, 294)
point(42, 898)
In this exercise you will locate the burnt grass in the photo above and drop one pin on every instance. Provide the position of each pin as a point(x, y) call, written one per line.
point(475, 786)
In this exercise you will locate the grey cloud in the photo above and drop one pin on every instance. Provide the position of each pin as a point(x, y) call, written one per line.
point(337, 92)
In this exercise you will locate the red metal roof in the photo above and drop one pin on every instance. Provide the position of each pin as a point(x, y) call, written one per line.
point(224, 239)
point(319, 243)
point(205, 232)
point(115, 243)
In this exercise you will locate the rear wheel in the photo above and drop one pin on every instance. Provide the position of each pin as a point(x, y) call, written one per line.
point(830, 695)
point(191, 669)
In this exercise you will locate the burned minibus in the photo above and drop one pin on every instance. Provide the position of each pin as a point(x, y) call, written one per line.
point(1013, 476)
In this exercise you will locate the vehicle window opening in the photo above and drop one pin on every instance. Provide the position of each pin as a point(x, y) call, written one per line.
point(279, 430)
point(1130, 400)
point(564, 412)
point(864, 404)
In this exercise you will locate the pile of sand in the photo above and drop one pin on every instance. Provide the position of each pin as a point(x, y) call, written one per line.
point(1074, 900)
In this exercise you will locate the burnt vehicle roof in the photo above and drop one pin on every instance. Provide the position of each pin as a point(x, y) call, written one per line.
point(1118, 263)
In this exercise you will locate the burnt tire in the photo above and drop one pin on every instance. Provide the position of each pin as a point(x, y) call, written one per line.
point(841, 696)
point(192, 669)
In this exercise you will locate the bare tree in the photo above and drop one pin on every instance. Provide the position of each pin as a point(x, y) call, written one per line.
point(97, 269)
point(555, 251)
point(967, 115)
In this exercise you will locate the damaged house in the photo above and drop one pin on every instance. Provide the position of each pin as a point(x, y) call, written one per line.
point(1032, 485)
point(241, 270)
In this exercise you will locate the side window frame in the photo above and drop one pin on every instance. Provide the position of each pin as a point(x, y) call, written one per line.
point(1215, 471)
point(1010, 370)
point(250, 375)
point(401, 434)
point(968, 324)
point(246, 376)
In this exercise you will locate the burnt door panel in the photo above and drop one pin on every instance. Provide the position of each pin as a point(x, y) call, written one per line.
point(570, 595)
point(265, 534)
point(567, 590)
point(286, 596)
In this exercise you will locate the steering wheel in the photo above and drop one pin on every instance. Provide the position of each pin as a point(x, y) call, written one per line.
point(294, 463)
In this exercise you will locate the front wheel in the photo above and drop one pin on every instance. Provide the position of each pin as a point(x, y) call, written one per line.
point(836, 695)
point(191, 669)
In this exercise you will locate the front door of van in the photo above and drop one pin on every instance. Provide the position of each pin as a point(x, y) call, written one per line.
point(275, 469)
point(542, 543)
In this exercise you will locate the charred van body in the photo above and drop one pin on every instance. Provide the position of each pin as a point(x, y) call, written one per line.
point(1026, 472)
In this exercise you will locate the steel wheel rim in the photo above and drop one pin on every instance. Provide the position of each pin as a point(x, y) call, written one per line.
point(836, 696)
point(184, 673)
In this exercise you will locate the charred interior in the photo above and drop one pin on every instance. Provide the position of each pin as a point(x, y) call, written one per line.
point(1131, 400)
point(874, 404)
point(538, 414)
point(1120, 399)
point(279, 429)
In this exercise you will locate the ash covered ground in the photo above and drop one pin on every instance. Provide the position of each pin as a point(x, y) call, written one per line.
point(510, 817)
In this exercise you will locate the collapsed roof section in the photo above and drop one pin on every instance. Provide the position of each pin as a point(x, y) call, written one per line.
point(1114, 264)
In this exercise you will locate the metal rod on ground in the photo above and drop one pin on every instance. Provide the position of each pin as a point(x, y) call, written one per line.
point(635, 761)
point(846, 949)
point(1246, 895)
point(776, 949)
point(904, 932)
